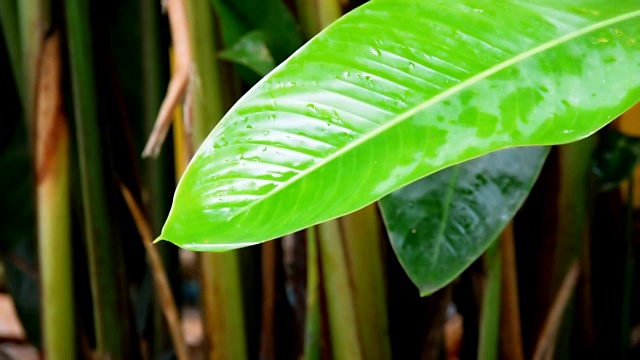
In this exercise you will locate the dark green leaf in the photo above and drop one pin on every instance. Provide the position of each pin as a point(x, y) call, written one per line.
point(395, 91)
point(251, 51)
point(442, 223)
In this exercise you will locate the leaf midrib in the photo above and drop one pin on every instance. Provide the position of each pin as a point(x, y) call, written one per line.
point(444, 95)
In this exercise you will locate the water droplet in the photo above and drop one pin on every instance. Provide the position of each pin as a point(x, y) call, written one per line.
point(601, 40)
point(412, 66)
point(479, 11)
point(543, 89)
point(617, 32)
point(346, 75)
point(335, 117)
point(375, 51)
point(248, 127)
point(265, 132)
point(369, 80)
point(312, 107)
point(264, 148)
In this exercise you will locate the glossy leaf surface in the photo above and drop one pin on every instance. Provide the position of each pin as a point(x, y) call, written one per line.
point(394, 91)
point(440, 224)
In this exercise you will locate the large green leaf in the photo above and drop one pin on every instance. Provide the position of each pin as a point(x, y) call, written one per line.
point(394, 91)
point(442, 223)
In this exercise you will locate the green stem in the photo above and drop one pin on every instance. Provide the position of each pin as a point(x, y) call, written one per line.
point(316, 15)
point(343, 323)
point(108, 319)
point(54, 220)
point(312, 318)
point(221, 277)
point(158, 171)
point(363, 246)
point(489, 335)
point(32, 29)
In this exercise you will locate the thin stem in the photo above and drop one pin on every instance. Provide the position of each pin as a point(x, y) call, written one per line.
point(552, 323)
point(488, 342)
point(312, 350)
point(54, 234)
point(159, 276)
point(221, 278)
point(511, 337)
point(343, 324)
point(108, 320)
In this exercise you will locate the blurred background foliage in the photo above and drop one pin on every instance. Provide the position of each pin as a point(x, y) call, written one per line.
point(82, 83)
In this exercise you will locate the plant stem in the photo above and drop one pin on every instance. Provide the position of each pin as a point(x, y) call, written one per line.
point(316, 15)
point(511, 334)
point(159, 275)
point(221, 278)
point(32, 29)
point(363, 246)
point(267, 331)
point(54, 235)
point(343, 324)
point(312, 350)
point(108, 320)
point(548, 334)
point(158, 179)
point(488, 342)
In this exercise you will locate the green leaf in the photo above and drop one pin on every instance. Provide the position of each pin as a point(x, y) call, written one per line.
point(394, 91)
point(440, 224)
point(251, 51)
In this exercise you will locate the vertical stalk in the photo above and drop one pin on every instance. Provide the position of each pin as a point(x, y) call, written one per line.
point(350, 250)
point(488, 342)
point(107, 318)
point(363, 246)
point(511, 333)
point(267, 335)
point(157, 171)
point(32, 29)
point(54, 236)
point(312, 320)
point(343, 323)
point(221, 279)
point(153, 85)
point(316, 15)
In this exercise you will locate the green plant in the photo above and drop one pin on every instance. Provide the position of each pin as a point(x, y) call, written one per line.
point(444, 111)
point(374, 103)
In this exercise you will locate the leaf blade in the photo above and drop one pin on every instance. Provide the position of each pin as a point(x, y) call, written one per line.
point(369, 91)
point(482, 196)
